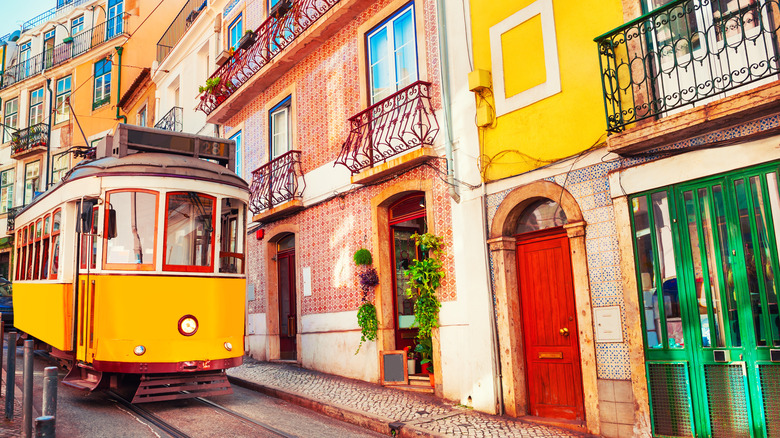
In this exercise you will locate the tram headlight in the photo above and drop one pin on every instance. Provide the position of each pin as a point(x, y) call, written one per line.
point(228, 346)
point(188, 325)
point(139, 350)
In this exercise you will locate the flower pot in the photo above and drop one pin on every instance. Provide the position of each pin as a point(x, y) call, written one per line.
point(424, 368)
point(247, 40)
point(432, 380)
point(411, 366)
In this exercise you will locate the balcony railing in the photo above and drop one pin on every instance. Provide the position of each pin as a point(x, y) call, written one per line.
point(396, 124)
point(276, 182)
point(273, 36)
point(178, 27)
point(26, 139)
point(11, 219)
point(689, 51)
point(173, 121)
point(61, 53)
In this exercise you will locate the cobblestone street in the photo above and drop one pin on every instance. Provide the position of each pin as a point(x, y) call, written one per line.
point(421, 414)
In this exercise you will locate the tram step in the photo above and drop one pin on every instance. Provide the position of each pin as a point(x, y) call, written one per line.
point(178, 386)
point(83, 378)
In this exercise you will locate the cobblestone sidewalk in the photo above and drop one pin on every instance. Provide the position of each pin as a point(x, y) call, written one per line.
point(377, 407)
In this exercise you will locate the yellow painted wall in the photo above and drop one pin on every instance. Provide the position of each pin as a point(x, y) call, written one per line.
point(558, 126)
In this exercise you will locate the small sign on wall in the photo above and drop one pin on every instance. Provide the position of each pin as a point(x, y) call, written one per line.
point(608, 325)
point(306, 274)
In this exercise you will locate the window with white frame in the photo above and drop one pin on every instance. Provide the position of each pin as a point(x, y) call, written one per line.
point(6, 190)
point(60, 166)
point(63, 93)
point(102, 83)
point(36, 107)
point(32, 173)
point(115, 15)
point(11, 119)
point(77, 25)
point(236, 31)
point(280, 128)
point(142, 116)
point(392, 54)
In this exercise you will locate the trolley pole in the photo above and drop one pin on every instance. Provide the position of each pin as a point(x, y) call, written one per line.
point(10, 377)
point(27, 419)
point(49, 407)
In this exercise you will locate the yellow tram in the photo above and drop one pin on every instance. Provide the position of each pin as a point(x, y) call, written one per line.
point(133, 265)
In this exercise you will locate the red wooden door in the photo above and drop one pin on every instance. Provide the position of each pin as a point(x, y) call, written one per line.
point(287, 305)
point(553, 370)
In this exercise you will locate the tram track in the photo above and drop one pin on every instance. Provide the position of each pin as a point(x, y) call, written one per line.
point(175, 432)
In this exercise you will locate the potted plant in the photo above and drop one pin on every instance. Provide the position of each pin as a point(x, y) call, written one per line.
point(211, 84)
point(425, 348)
point(247, 40)
point(411, 361)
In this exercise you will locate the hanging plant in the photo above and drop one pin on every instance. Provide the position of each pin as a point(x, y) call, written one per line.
point(368, 323)
point(368, 279)
point(362, 257)
point(424, 279)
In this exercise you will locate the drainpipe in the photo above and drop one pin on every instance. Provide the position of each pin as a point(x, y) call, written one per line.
point(48, 135)
point(445, 97)
point(119, 50)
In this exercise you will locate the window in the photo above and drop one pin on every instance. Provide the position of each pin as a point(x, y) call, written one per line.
point(280, 128)
point(76, 25)
point(142, 116)
point(63, 93)
point(6, 190)
point(45, 247)
point(392, 54)
point(36, 107)
point(136, 224)
point(60, 166)
point(115, 14)
point(189, 232)
point(89, 238)
point(55, 243)
point(31, 176)
point(239, 159)
point(231, 248)
point(102, 83)
point(236, 31)
point(48, 48)
point(11, 119)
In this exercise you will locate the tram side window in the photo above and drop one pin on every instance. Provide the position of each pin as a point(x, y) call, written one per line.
point(133, 246)
point(28, 275)
point(45, 247)
point(55, 243)
point(89, 240)
point(231, 250)
point(189, 232)
point(37, 259)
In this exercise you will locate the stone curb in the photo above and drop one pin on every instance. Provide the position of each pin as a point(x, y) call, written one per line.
point(347, 415)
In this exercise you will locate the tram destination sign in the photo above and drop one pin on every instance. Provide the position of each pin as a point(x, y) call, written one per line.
point(130, 138)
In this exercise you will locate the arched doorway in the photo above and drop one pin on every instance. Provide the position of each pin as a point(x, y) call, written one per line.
point(405, 218)
point(285, 265)
point(549, 316)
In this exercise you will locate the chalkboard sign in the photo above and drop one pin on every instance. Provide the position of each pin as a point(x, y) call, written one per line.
point(393, 367)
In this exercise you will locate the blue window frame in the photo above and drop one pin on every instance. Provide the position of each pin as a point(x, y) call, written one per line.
point(239, 154)
point(392, 54)
point(77, 25)
point(102, 83)
point(63, 92)
point(236, 31)
point(114, 21)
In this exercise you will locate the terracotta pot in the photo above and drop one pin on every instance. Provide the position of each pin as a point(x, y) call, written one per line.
point(424, 368)
point(432, 379)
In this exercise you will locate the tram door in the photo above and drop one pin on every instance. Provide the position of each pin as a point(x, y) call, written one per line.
point(88, 247)
point(288, 322)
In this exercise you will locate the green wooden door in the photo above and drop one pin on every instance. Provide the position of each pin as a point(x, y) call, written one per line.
point(713, 248)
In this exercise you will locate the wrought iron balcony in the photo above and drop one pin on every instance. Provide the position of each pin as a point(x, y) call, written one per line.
point(392, 126)
point(684, 53)
point(276, 182)
point(178, 27)
point(173, 121)
point(61, 53)
point(272, 37)
point(29, 140)
point(10, 219)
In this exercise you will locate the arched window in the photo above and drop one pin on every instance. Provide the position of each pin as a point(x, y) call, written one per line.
point(541, 215)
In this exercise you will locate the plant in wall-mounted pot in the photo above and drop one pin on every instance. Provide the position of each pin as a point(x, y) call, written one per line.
point(247, 40)
point(211, 85)
point(368, 279)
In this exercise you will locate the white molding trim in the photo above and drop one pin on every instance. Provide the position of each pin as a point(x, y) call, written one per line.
point(552, 85)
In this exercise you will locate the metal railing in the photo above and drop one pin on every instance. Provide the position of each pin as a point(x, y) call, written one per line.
point(63, 7)
point(178, 27)
point(61, 53)
point(273, 36)
point(276, 182)
point(394, 125)
point(172, 121)
point(25, 139)
point(686, 52)
point(11, 218)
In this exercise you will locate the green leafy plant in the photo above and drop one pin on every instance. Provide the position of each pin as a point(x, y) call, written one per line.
point(211, 84)
point(363, 257)
point(424, 279)
point(368, 323)
point(425, 348)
